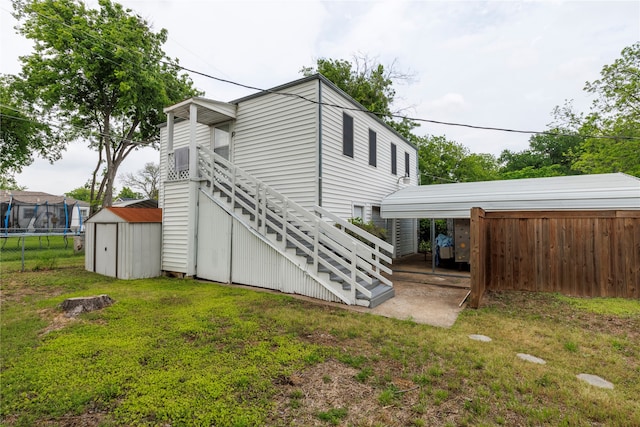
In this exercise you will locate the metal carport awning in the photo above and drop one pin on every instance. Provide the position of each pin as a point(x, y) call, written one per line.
point(614, 191)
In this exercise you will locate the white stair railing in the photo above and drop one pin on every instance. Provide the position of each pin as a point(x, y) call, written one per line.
point(355, 260)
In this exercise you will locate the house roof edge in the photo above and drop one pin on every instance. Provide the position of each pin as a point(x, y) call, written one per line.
point(323, 79)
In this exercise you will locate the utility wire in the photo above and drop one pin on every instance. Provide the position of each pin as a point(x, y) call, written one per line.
point(61, 126)
point(377, 114)
point(382, 115)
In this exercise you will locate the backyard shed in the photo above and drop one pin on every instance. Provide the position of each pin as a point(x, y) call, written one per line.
point(124, 242)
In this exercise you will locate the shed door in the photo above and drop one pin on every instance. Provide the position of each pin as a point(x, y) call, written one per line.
point(106, 249)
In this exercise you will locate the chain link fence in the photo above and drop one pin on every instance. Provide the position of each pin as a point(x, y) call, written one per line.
point(38, 251)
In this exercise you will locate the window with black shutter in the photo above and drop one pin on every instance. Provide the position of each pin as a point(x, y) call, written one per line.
point(406, 164)
point(347, 135)
point(394, 162)
point(373, 148)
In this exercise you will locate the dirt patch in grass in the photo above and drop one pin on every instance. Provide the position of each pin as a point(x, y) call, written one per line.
point(56, 319)
point(94, 419)
point(335, 393)
point(21, 286)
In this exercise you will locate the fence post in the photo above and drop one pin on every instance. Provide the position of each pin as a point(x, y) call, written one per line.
point(23, 239)
point(478, 259)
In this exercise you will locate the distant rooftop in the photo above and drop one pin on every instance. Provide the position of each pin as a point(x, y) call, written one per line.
point(36, 198)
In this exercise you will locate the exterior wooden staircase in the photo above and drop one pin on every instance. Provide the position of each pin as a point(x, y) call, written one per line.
point(340, 256)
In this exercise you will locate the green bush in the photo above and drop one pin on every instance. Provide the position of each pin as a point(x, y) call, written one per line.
point(369, 227)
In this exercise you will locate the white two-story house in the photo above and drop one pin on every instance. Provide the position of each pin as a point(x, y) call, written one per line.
point(259, 191)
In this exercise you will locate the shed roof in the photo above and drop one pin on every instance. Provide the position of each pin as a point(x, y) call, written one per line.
point(131, 215)
point(136, 203)
point(578, 192)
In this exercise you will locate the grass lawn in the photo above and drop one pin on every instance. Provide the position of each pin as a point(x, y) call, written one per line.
point(173, 352)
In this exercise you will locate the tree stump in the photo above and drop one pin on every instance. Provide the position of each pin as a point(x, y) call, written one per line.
point(75, 306)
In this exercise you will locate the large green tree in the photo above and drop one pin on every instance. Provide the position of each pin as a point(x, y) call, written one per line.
point(22, 134)
point(102, 73)
point(371, 84)
point(615, 112)
point(442, 161)
point(549, 154)
point(81, 193)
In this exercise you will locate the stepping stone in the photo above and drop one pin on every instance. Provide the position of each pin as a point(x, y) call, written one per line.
point(532, 359)
point(482, 338)
point(595, 380)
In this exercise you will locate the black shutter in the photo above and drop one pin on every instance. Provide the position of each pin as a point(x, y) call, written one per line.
point(373, 148)
point(347, 135)
point(394, 162)
point(406, 164)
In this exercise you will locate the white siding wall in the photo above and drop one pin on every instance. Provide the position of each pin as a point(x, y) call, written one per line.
point(350, 181)
point(175, 226)
point(275, 141)
point(163, 164)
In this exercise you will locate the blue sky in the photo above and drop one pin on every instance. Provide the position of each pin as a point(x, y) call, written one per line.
point(492, 63)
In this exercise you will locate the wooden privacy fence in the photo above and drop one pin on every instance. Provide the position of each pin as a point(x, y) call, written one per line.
point(579, 253)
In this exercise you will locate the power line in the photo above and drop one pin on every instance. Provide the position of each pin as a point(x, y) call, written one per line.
point(61, 126)
point(417, 119)
point(377, 114)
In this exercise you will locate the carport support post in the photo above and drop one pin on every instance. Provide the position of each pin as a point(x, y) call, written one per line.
point(433, 245)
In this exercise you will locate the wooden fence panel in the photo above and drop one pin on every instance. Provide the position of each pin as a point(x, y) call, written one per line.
point(594, 253)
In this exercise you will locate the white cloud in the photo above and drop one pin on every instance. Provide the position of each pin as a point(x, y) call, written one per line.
point(446, 105)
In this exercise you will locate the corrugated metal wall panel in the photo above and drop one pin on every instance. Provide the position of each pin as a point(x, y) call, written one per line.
point(257, 264)
point(89, 238)
point(214, 238)
point(347, 181)
point(125, 251)
point(275, 140)
point(143, 240)
point(406, 233)
point(175, 226)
